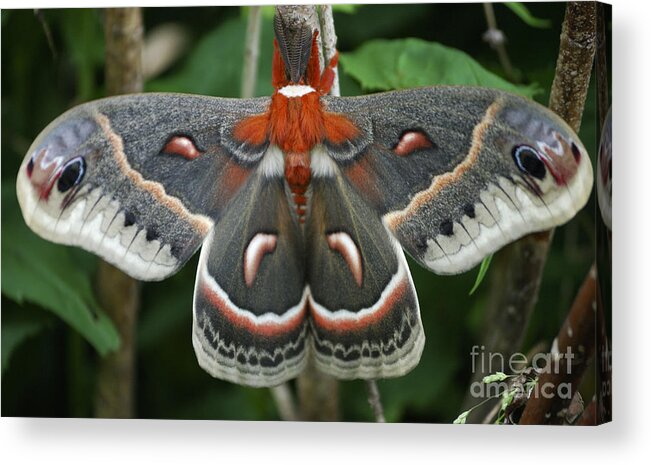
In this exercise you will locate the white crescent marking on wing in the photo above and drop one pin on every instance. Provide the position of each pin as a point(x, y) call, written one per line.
point(266, 319)
point(261, 245)
point(343, 243)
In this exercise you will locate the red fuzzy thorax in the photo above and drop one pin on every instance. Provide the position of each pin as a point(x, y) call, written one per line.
point(297, 124)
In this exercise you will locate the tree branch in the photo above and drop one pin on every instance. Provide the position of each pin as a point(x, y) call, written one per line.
point(573, 349)
point(497, 40)
point(329, 39)
point(119, 294)
point(251, 51)
point(374, 401)
point(285, 403)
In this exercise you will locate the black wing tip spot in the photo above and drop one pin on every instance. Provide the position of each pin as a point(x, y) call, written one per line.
point(72, 174)
point(528, 161)
point(576, 153)
point(30, 166)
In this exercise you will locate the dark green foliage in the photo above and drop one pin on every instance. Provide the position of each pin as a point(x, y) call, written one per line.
point(52, 328)
point(407, 63)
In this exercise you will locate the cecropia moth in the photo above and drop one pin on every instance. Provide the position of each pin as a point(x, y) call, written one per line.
point(303, 203)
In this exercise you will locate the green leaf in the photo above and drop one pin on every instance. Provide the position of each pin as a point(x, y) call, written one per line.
point(348, 8)
point(507, 398)
point(405, 63)
point(483, 269)
point(525, 15)
point(498, 376)
point(37, 271)
point(461, 419)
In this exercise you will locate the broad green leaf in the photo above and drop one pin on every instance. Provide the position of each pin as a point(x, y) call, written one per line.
point(37, 271)
point(404, 63)
point(348, 8)
point(525, 15)
point(483, 269)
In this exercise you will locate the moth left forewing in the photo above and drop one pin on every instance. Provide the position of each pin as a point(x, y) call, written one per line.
point(136, 179)
point(457, 173)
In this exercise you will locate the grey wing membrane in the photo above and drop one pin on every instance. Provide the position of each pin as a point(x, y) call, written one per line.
point(458, 172)
point(138, 179)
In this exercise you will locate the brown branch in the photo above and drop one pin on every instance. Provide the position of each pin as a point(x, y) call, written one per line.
point(573, 349)
point(329, 39)
point(118, 293)
point(497, 41)
point(518, 268)
point(123, 33)
point(574, 65)
point(285, 403)
point(318, 395)
point(374, 400)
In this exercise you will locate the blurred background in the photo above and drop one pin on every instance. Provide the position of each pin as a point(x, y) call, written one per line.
point(53, 329)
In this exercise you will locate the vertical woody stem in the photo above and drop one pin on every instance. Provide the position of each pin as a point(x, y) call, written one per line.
point(118, 293)
point(251, 52)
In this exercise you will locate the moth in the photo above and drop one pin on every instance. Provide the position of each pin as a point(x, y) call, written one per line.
point(303, 203)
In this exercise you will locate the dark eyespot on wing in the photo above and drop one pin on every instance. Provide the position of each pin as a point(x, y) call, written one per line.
point(529, 162)
point(72, 174)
